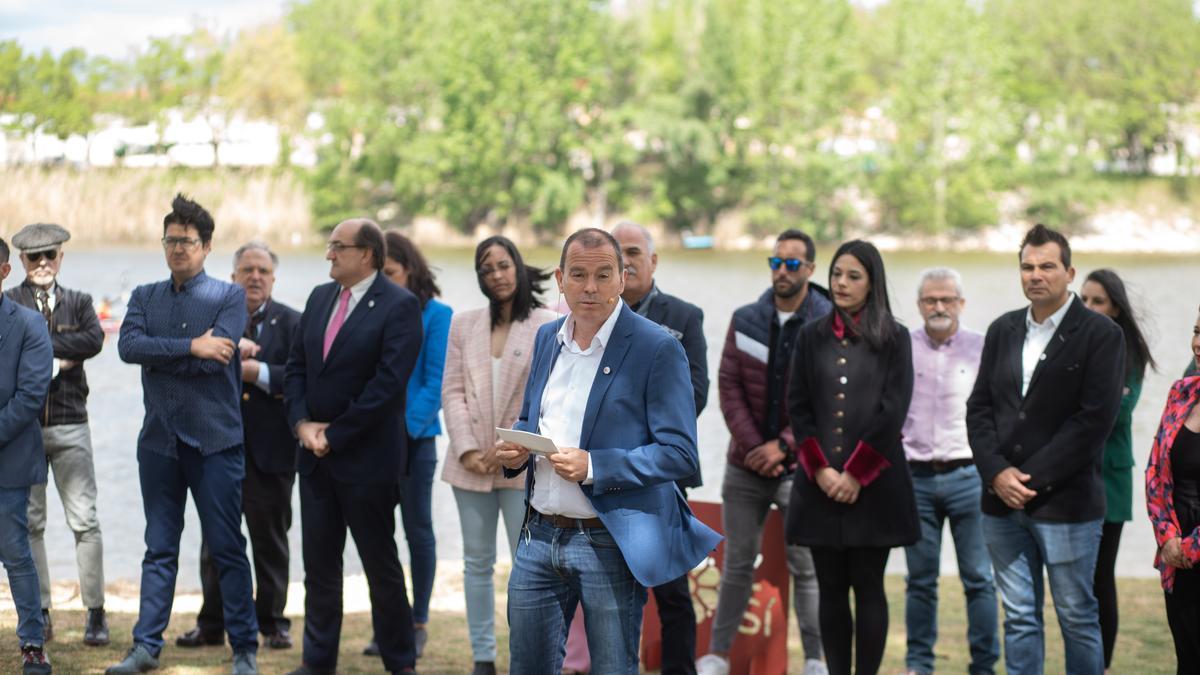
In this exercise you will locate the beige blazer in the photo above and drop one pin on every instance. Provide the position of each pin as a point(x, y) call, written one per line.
point(471, 411)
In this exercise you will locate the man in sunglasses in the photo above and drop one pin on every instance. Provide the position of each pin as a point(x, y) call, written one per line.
point(752, 383)
point(76, 337)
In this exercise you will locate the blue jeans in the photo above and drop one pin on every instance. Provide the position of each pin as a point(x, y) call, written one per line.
point(215, 482)
point(955, 496)
point(555, 569)
point(478, 513)
point(1020, 546)
point(18, 562)
point(416, 513)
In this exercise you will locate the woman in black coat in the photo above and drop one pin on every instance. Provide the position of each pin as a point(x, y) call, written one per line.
point(851, 383)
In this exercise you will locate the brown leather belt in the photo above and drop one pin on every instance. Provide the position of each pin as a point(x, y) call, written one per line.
point(567, 522)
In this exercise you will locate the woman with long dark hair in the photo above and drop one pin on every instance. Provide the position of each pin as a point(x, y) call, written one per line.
point(851, 382)
point(1104, 292)
point(405, 266)
point(487, 365)
point(1173, 503)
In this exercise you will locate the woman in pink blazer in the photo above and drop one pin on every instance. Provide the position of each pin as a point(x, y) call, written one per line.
point(487, 363)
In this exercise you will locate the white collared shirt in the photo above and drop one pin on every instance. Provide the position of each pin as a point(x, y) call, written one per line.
point(357, 291)
point(1037, 337)
point(564, 402)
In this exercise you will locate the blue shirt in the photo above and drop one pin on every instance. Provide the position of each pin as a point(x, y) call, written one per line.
point(424, 398)
point(188, 400)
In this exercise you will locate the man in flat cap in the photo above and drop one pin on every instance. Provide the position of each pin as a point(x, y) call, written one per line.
point(76, 336)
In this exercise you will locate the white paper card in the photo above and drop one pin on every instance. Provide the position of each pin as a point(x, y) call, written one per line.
point(539, 445)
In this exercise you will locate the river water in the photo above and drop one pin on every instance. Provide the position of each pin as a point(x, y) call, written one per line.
point(718, 282)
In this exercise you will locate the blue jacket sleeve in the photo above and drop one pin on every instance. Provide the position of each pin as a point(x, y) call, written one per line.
point(671, 455)
point(425, 388)
point(33, 381)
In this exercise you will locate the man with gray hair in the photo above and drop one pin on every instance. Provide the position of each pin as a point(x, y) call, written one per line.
point(270, 457)
point(945, 480)
point(76, 336)
point(685, 322)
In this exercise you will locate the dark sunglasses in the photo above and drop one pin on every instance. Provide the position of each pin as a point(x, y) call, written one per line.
point(793, 264)
point(36, 257)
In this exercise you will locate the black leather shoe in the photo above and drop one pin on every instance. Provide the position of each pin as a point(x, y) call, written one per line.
point(47, 627)
point(484, 668)
point(198, 638)
point(95, 633)
point(371, 649)
point(280, 639)
point(34, 661)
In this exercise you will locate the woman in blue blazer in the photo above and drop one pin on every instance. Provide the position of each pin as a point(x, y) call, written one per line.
point(406, 267)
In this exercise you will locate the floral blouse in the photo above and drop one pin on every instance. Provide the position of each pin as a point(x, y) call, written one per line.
point(1160, 484)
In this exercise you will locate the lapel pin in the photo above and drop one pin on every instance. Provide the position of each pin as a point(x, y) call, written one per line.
point(607, 370)
point(517, 352)
point(273, 321)
point(370, 303)
point(1042, 357)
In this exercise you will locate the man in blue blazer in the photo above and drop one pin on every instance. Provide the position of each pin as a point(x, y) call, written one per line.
point(270, 458)
point(605, 519)
point(345, 387)
point(26, 359)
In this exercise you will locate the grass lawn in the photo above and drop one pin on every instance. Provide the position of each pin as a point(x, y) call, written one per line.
point(1144, 645)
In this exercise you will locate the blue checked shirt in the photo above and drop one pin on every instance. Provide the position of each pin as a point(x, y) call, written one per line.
point(188, 400)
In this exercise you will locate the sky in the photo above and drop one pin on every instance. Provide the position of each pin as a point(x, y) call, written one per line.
point(114, 27)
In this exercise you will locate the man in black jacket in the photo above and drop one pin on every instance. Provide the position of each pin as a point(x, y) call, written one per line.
point(685, 321)
point(1047, 394)
point(76, 336)
point(270, 457)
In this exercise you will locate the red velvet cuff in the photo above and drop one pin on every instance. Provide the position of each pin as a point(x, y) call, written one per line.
point(865, 464)
point(811, 458)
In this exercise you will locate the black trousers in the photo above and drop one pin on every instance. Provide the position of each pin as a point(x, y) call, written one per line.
point(328, 508)
point(678, 619)
point(267, 507)
point(1183, 616)
point(838, 571)
point(1105, 586)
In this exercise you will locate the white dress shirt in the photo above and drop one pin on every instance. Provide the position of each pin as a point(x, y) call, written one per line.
point(357, 291)
point(561, 417)
point(1037, 337)
point(264, 372)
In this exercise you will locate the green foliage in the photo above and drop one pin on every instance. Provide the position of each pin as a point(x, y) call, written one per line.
point(830, 115)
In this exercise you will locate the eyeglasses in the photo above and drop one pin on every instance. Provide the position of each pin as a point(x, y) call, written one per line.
point(37, 257)
point(793, 264)
point(488, 270)
point(931, 301)
point(338, 247)
point(188, 243)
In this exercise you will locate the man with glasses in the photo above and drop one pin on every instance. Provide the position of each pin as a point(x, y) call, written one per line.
point(183, 332)
point(76, 336)
point(752, 383)
point(945, 480)
point(344, 388)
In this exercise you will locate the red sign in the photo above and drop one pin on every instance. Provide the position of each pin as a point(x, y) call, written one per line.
point(760, 646)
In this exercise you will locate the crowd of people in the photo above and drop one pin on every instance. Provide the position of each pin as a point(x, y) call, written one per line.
point(866, 434)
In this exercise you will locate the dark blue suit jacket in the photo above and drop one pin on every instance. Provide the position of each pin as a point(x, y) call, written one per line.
point(269, 441)
point(26, 359)
point(640, 428)
point(360, 389)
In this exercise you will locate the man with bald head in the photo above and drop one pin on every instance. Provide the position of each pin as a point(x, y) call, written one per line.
point(344, 389)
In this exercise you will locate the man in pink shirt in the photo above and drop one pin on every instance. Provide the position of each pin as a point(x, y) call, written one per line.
point(945, 481)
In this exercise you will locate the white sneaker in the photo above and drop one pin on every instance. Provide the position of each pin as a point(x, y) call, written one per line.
point(815, 667)
point(711, 664)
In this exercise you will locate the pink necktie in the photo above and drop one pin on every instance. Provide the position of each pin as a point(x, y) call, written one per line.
point(339, 318)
